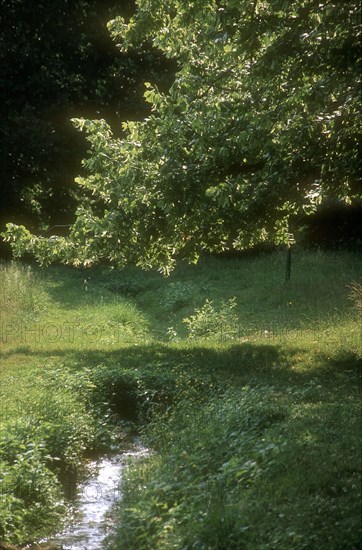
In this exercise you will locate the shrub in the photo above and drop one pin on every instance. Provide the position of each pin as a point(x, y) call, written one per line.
point(212, 321)
point(50, 430)
point(31, 496)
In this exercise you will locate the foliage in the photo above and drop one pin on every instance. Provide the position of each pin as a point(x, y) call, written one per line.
point(260, 126)
point(215, 322)
point(31, 497)
point(254, 439)
point(60, 62)
point(48, 431)
point(247, 469)
point(178, 295)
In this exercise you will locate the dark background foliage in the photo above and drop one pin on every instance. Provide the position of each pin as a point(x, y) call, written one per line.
point(58, 61)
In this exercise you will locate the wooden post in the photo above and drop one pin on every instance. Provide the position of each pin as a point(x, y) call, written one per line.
point(288, 262)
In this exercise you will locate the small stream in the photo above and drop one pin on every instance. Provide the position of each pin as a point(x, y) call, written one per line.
point(93, 503)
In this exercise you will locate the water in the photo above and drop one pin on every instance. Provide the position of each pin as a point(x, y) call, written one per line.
point(93, 502)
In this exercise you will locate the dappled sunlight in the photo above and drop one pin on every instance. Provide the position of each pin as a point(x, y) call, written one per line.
point(237, 406)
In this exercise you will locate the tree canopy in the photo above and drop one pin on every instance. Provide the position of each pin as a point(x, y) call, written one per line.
point(259, 127)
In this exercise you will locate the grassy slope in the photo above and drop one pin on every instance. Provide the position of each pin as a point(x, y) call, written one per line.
point(256, 437)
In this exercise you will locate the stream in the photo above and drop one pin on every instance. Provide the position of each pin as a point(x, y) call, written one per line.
point(93, 501)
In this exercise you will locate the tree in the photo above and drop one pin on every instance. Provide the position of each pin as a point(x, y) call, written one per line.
point(58, 61)
point(260, 126)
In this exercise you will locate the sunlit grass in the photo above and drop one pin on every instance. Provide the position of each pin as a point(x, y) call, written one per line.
point(255, 429)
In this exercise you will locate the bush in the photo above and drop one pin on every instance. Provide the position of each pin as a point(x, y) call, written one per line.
point(50, 432)
point(31, 495)
point(212, 321)
point(188, 494)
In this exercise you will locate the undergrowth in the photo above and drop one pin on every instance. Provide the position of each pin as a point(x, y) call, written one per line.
point(247, 390)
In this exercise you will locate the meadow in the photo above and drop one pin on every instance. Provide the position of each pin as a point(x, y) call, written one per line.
point(247, 389)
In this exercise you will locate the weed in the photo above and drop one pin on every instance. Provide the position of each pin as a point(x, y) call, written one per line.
point(20, 289)
point(356, 296)
point(211, 321)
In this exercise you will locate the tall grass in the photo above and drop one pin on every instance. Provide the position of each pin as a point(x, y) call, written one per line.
point(247, 389)
point(356, 296)
point(21, 291)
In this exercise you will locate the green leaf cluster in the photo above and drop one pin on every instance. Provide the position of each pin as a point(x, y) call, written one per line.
point(259, 127)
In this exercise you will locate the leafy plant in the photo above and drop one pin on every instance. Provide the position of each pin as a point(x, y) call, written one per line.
point(256, 131)
point(177, 295)
point(31, 495)
point(214, 321)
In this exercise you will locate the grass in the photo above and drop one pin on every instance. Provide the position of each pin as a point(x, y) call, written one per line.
point(246, 388)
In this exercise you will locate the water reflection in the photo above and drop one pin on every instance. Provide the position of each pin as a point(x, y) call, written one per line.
point(94, 499)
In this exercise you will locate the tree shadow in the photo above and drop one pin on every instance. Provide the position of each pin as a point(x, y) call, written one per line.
point(140, 375)
point(73, 288)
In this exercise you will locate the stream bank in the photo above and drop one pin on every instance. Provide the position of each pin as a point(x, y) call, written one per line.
point(92, 501)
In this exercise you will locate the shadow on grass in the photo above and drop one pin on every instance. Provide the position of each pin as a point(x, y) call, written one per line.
point(73, 288)
point(344, 361)
point(159, 372)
